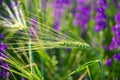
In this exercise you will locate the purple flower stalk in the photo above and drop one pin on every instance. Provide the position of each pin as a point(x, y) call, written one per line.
point(59, 9)
point(116, 30)
point(117, 57)
point(108, 62)
point(100, 17)
point(3, 47)
point(83, 14)
point(1, 36)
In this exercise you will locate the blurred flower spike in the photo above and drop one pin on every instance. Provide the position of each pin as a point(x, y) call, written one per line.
point(115, 44)
point(3, 48)
point(108, 62)
point(100, 17)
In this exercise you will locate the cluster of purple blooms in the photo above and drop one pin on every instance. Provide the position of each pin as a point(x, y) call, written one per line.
point(116, 30)
point(116, 57)
point(3, 64)
point(59, 9)
point(116, 39)
point(83, 14)
point(4, 73)
point(100, 17)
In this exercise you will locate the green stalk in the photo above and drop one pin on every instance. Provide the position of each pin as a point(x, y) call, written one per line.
point(25, 8)
point(100, 63)
point(40, 11)
point(89, 74)
point(30, 56)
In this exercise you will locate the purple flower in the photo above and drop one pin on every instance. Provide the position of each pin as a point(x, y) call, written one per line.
point(105, 47)
point(34, 22)
point(117, 57)
point(97, 28)
point(100, 17)
point(112, 46)
point(108, 62)
point(59, 9)
point(66, 1)
point(81, 2)
point(62, 1)
point(1, 36)
point(102, 3)
point(115, 42)
point(119, 6)
point(3, 74)
point(4, 71)
point(116, 30)
point(56, 26)
point(117, 18)
point(3, 47)
point(82, 15)
point(13, 3)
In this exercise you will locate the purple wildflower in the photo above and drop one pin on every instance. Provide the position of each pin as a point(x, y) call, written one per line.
point(105, 47)
point(117, 57)
point(117, 18)
point(82, 16)
point(108, 62)
point(1, 36)
point(59, 9)
point(13, 3)
point(112, 46)
point(100, 18)
point(119, 6)
point(116, 30)
point(34, 22)
point(56, 26)
point(116, 41)
point(3, 72)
